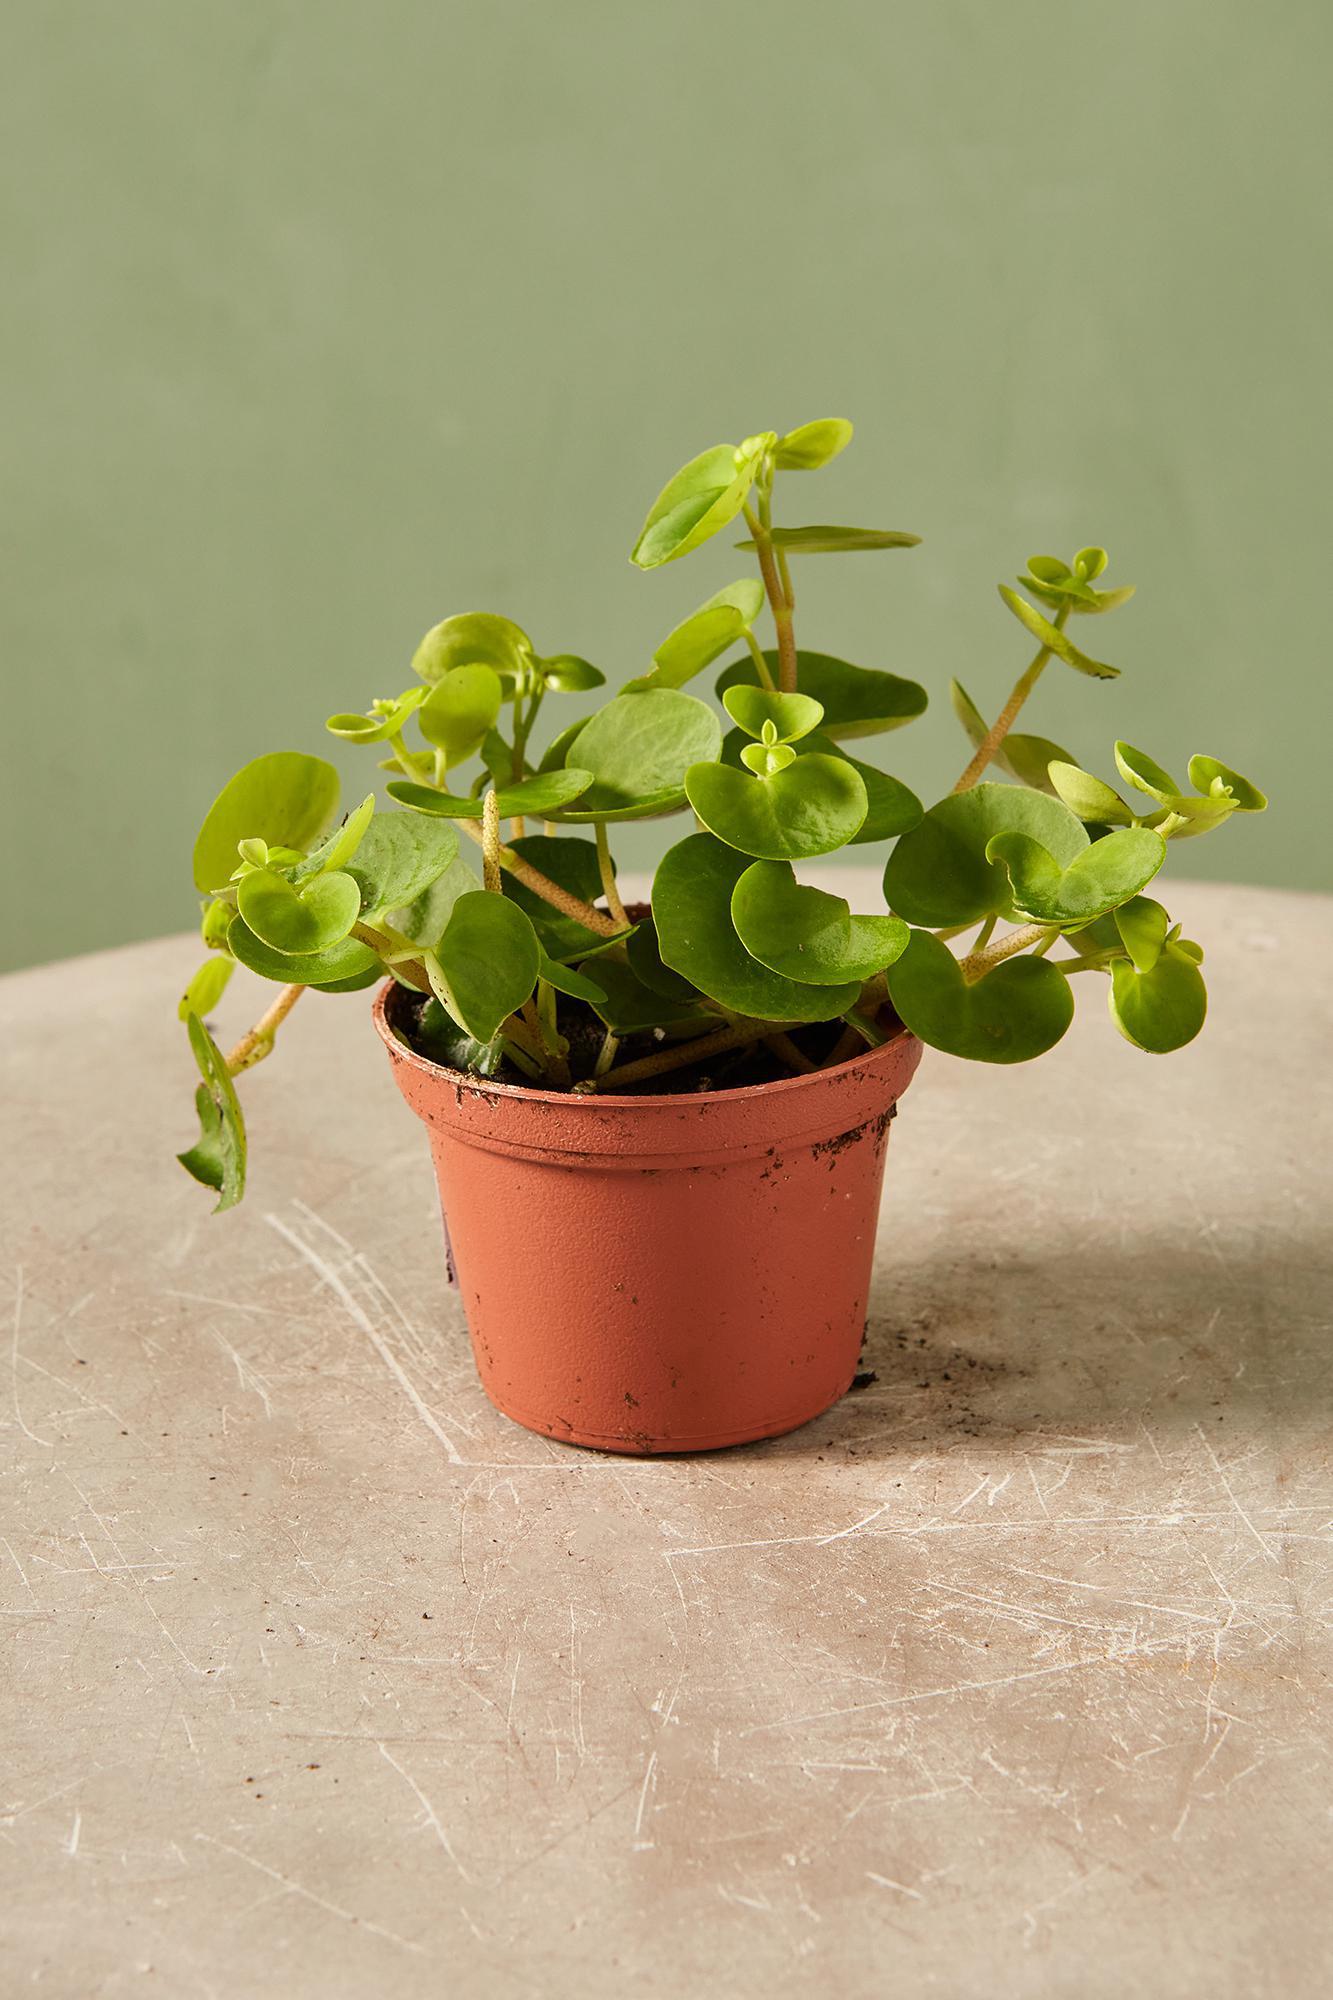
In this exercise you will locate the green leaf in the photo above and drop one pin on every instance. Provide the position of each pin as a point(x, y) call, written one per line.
point(1026, 758)
point(285, 798)
point(567, 673)
point(692, 893)
point(302, 920)
point(1088, 796)
point(644, 953)
point(792, 715)
point(1053, 639)
point(828, 541)
point(974, 722)
point(346, 960)
point(938, 873)
point(540, 794)
point(1090, 563)
point(702, 497)
point(1097, 880)
point(486, 963)
point(1142, 926)
point(337, 849)
point(808, 935)
point(1161, 1009)
point(893, 809)
point(857, 701)
point(628, 1007)
point(473, 638)
point(815, 805)
point(560, 746)
point(207, 987)
point(399, 856)
point(1219, 780)
point(383, 721)
point(566, 980)
point(459, 711)
point(570, 861)
point(422, 920)
point(702, 637)
point(1017, 1011)
point(217, 1158)
point(638, 749)
point(811, 445)
point(1139, 770)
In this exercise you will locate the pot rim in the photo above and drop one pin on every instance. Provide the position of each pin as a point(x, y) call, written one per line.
point(527, 1093)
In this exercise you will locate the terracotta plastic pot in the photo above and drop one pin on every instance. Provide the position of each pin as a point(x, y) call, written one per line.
point(659, 1274)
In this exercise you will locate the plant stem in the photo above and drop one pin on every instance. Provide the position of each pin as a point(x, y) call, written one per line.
point(786, 1050)
point(984, 935)
point(777, 600)
point(549, 891)
point(683, 1053)
point(977, 964)
point(1004, 721)
point(606, 1055)
point(608, 874)
point(760, 663)
point(395, 959)
point(255, 1045)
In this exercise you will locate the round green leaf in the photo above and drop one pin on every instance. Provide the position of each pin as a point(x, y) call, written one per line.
point(542, 793)
point(1088, 796)
point(347, 960)
point(486, 963)
point(568, 674)
point(1163, 1008)
point(692, 893)
point(1090, 563)
point(857, 701)
point(560, 746)
point(792, 715)
point(808, 935)
point(644, 953)
point(1053, 639)
point(1139, 770)
point(703, 496)
point(627, 1007)
point(381, 722)
point(311, 918)
point(473, 638)
point(938, 873)
point(1096, 880)
point(459, 710)
point(1142, 927)
point(285, 798)
point(827, 541)
point(1219, 780)
point(811, 445)
point(570, 861)
point(815, 805)
point(399, 856)
point(892, 807)
point(207, 987)
point(1017, 1011)
point(638, 749)
point(217, 1158)
point(422, 920)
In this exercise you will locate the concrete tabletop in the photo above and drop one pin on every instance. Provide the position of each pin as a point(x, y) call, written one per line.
point(1004, 1678)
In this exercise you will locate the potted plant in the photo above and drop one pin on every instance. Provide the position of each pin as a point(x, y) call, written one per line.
point(659, 1129)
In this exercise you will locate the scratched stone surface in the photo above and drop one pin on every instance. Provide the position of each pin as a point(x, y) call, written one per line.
point(1006, 1677)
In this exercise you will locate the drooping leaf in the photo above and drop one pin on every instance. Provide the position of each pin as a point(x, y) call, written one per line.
point(1097, 880)
point(485, 964)
point(567, 673)
point(207, 987)
point(1017, 1011)
point(1217, 780)
point(811, 445)
point(638, 749)
point(628, 1007)
point(318, 914)
point(1161, 1009)
point(217, 1158)
point(285, 799)
point(422, 921)
point(815, 805)
point(1053, 639)
point(459, 710)
point(692, 892)
point(571, 862)
point(808, 935)
point(704, 636)
point(380, 723)
point(702, 497)
point(828, 541)
point(857, 701)
point(938, 873)
point(1142, 926)
point(566, 980)
point(473, 638)
point(1087, 796)
point(346, 960)
point(792, 715)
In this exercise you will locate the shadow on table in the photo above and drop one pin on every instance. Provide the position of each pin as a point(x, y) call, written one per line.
point(1081, 1341)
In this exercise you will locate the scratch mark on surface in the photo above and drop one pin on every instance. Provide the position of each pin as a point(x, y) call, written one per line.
point(649, 1782)
point(48, 1444)
point(299, 1889)
point(887, 1882)
point(1270, 1554)
point(247, 1375)
point(432, 1818)
point(72, 1844)
point(864, 1522)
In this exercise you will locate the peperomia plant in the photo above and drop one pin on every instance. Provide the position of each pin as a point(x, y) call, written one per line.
point(534, 970)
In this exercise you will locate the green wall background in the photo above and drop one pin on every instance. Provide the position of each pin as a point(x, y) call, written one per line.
point(322, 320)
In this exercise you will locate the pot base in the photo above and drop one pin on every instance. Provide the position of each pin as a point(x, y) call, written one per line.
point(642, 1444)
